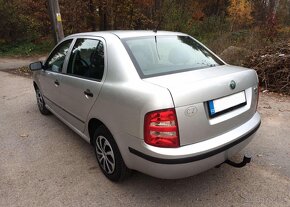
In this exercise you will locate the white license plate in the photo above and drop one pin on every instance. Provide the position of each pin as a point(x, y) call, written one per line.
point(219, 105)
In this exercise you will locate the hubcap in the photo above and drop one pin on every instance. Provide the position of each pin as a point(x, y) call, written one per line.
point(39, 99)
point(105, 154)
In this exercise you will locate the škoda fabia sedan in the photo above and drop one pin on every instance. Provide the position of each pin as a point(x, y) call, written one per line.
point(157, 102)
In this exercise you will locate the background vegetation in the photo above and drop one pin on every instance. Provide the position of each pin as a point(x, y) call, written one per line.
point(253, 33)
point(25, 24)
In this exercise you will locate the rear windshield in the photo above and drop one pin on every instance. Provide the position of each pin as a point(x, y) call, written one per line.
point(161, 55)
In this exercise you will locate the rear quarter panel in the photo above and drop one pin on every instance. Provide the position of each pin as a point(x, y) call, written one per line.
point(125, 98)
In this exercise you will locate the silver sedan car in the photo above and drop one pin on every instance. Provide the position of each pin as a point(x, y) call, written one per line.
point(157, 102)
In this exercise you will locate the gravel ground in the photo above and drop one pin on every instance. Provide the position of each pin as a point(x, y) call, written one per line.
point(44, 163)
point(7, 63)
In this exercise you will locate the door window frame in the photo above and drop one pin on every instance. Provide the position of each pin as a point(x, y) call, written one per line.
point(64, 72)
point(65, 63)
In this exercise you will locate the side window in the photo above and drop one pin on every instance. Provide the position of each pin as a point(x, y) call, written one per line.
point(56, 59)
point(87, 59)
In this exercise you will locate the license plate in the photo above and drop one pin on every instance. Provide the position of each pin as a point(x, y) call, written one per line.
point(220, 105)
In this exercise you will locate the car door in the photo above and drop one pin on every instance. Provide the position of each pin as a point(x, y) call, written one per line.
point(83, 79)
point(50, 77)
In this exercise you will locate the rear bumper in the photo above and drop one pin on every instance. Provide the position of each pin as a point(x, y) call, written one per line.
point(191, 159)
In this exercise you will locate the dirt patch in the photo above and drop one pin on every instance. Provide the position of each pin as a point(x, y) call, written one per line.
point(18, 62)
point(22, 71)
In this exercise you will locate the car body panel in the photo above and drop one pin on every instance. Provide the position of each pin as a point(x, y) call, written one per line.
point(122, 99)
point(187, 168)
point(50, 90)
point(195, 88)
point(129, 116)
point(189, 87)
point(73, 97)
point(73, 93)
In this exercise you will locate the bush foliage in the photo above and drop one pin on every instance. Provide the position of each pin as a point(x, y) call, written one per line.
point(239, 26)
point(218, 23)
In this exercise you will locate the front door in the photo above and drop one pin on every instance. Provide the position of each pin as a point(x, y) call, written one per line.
point(82, 81)
point(50, 78)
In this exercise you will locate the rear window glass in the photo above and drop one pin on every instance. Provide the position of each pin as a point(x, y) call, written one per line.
point(161, 55)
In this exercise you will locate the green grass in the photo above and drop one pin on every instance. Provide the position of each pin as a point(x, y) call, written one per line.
point(26, 48)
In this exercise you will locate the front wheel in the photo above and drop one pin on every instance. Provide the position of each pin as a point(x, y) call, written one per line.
point(41, 103)
point(108, 155)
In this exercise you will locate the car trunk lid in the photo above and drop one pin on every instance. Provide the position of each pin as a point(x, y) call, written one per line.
point(193, 92)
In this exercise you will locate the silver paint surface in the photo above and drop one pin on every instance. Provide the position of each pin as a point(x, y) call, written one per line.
point(121, 100)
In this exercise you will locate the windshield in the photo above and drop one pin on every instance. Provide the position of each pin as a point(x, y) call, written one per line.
point(161, 55)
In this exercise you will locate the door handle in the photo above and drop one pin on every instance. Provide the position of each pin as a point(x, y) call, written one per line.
point(56, 83)
point(88, 93)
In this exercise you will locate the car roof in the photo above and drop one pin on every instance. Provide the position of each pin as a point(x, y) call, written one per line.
point(127, 33)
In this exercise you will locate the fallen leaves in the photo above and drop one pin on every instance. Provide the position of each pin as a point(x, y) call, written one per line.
point(24, 135)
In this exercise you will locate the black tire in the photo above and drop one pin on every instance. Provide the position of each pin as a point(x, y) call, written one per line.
point(40, 103)
point(108, 155)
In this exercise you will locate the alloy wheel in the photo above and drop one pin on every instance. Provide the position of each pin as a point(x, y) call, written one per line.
point(39, 98)
point(105, 154)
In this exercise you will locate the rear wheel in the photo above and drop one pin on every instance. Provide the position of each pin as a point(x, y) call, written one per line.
point(108, 155)
point(41, 103)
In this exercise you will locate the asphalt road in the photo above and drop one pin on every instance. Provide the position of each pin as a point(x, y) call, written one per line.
point(44, 163)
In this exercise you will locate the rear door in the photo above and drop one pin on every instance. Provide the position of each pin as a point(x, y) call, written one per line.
point(83, 79)
point(50, 78)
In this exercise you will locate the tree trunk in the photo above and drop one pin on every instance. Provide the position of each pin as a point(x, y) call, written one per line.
point(92, 17)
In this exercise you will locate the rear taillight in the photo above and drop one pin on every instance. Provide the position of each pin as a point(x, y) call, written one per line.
point(161, 129)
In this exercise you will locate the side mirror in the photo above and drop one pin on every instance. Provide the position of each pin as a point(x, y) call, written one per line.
point(36, 66)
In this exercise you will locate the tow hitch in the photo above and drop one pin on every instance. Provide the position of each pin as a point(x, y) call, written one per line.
point(247, 159)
